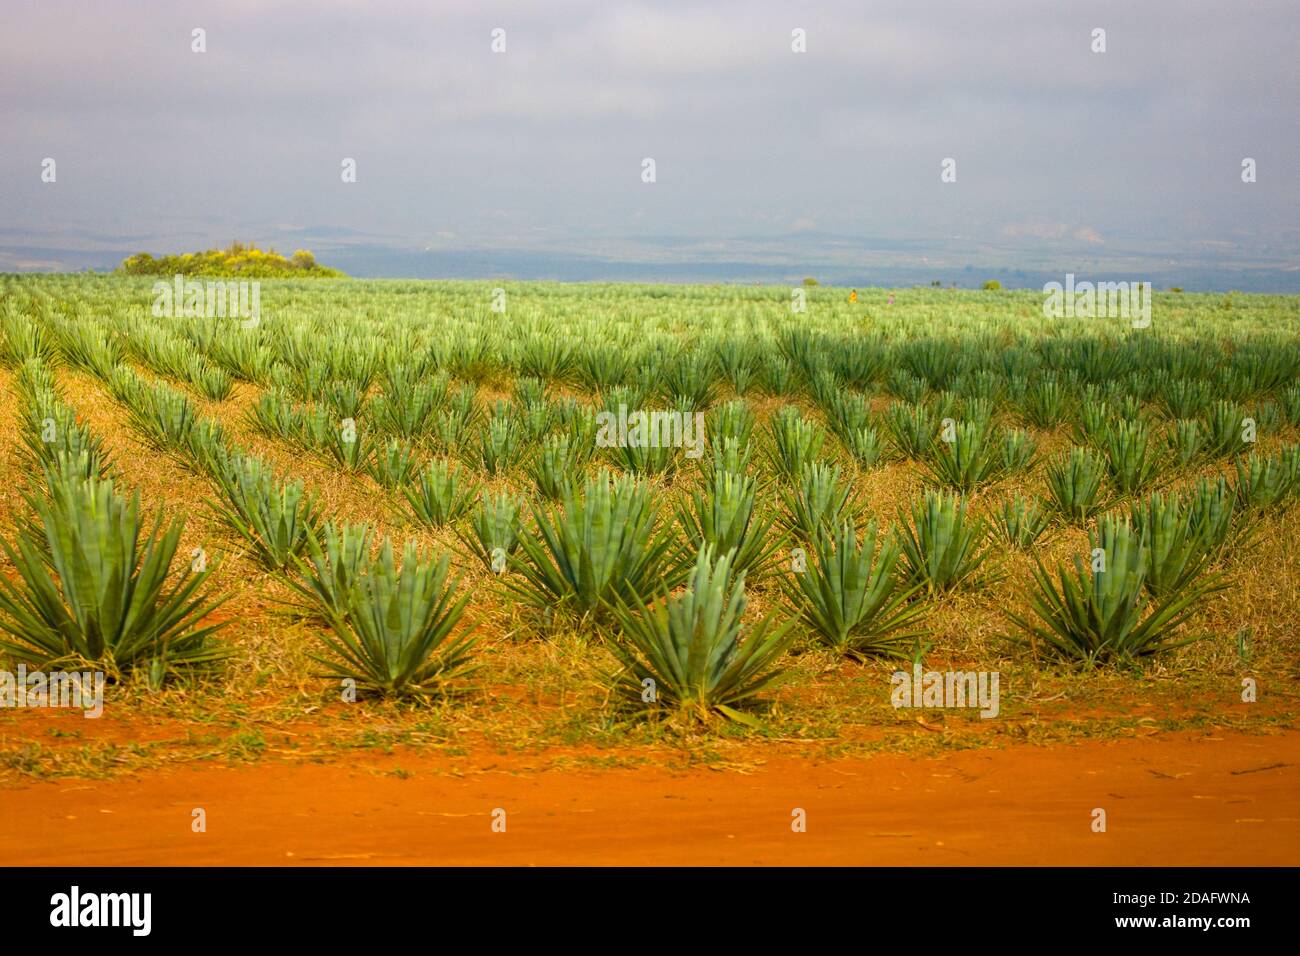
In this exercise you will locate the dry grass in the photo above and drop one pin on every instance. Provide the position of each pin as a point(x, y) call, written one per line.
point(544, 689)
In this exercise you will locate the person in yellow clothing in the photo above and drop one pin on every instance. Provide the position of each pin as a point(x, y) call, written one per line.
point(853, 296)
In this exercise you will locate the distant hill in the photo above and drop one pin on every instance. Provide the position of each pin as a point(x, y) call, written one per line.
point(237, 260)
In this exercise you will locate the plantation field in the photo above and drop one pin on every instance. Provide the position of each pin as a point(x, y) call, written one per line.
point(398, 530)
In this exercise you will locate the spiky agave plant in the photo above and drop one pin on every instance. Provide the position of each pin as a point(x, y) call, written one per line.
point(846, 412)
point(941, 546)
point(1018, 450)
point(944, 404)
point(211, 381)
point(275, 414)
point(722, 516)
point(346, 398)
point(865, 446)
point(1266, 482)
point(407, 409)
point(1021, 521)
point(531, 392)
point(546, 354)
point(536, 419)
point(738, 363)
point(23, 339)
point(777, 375)
point(393, 464)
point(1291, 406)
point(1094, 417)
point(819, 501)
point(733, 420)
point(1074, 485)
point(336, 555)
point(207, 447)
point(1184, 441)
point(274, 518)
point(850, 596)
point(34, 382)
point(439, 496)
point(602, 368)
point(860, 359)
point(344, 442)
point(595, 548)
point(690, 381)
point(393, 635)
point(1211, 510)
point(52, 436)
point(581, 428)
point(1178, 549)
point(91, 585)
point(553, 468)
point(1046, 403)
point(307, 380)
point(455, 425)
point(728, 455)
point(905, 386)
point(650, 447)
point(1131, 458)
point(690, 652)
point(495, 526)
point(87, 346)
point(911, 427)
point(244, 356)
point(1184, 397)
point(1099, 614)
point(1224, 430)
point(501, 443)
point(795, 442)
point(164, 415)
point(824, 385)
point(964, 458)
point(126, 386)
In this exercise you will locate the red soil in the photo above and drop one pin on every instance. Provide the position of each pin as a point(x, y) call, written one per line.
point(1184, 798)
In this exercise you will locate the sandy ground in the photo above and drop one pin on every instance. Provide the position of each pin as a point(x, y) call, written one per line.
point(1170, 799)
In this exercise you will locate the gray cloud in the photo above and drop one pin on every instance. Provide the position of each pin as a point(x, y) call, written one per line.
point(541, 146)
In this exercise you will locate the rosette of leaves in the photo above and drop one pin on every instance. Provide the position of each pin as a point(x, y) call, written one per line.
point(1074, 485)
point(850, 596)
point(439, 496)
point(1098, 613)
point(817, 502)
point(795, 442)
point(393, 634)
point(723, 516)
point(595, 548)
point(1021, 521)
point(274, 518)
point(495, 527)
point(1130, 458)
point(690, 652)
point(335, 557)
point(94, 584)
point(942, 547)
point(393, 464)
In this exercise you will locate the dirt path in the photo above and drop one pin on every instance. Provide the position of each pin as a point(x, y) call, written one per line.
point(1170, 799)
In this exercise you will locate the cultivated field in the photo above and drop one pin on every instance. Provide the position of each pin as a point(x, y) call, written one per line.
point(384, 566)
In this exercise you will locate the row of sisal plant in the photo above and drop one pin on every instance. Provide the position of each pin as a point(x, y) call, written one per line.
point(852, 597)
point(670, 605)
point(390, 628)
point(695, 360)
point(96, 585)
point(94, 582)
point(947, 549)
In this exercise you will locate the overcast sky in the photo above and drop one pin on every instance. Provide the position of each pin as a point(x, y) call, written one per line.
point(756, 147)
